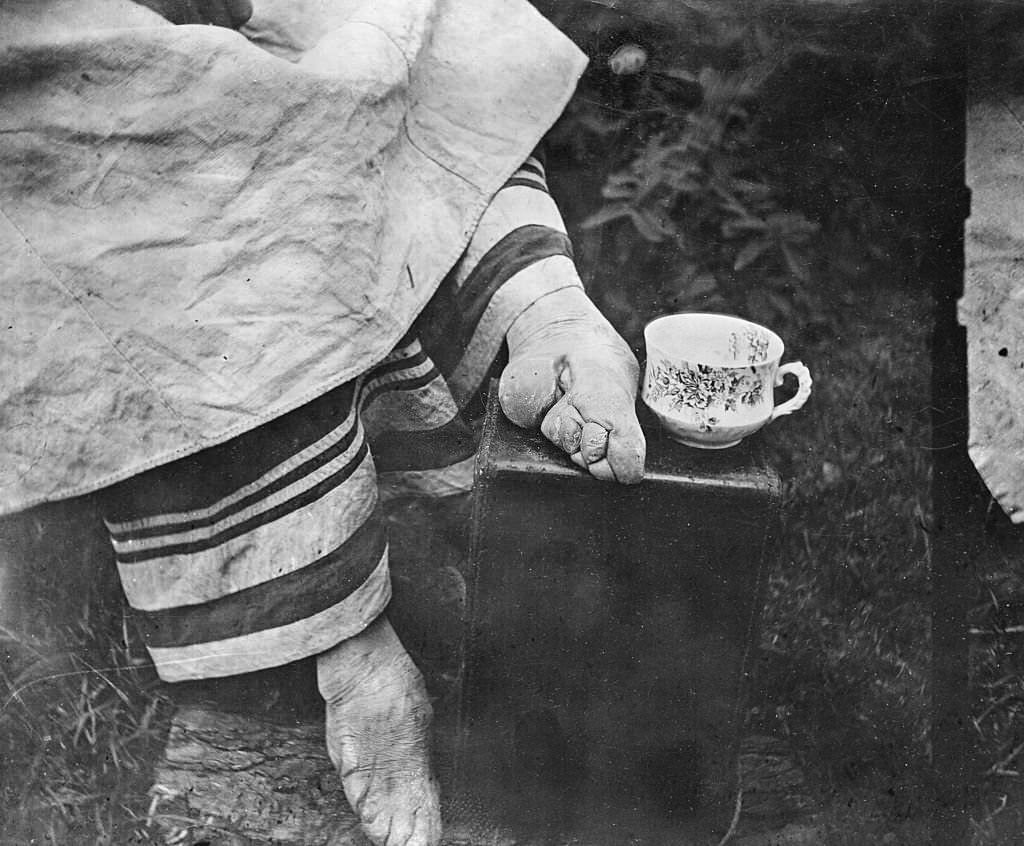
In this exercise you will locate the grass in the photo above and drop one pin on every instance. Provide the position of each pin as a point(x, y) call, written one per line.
point(845, 655)
point(80, 729)
point(997, 666)
point(843, 668)
point(843, 665)
point(81, 715)
point(842, 674)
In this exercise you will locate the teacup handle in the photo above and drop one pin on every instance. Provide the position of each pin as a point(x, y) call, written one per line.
point(803, 376)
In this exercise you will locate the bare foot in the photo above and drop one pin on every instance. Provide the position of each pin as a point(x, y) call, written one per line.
point(378, 722)
point(571, 374)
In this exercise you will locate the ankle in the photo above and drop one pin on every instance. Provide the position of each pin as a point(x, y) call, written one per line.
point(554, 312)
point(366, 661)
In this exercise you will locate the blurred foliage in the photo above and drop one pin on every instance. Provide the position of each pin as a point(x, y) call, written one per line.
point(760, 158)
point(774, 159)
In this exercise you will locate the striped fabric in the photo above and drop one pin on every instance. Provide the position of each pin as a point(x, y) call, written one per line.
point(271, 547)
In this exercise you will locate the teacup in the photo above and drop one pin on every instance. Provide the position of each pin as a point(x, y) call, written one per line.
point(710, 377)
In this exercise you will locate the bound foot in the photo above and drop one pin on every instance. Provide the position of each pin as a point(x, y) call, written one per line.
point(571, 374)
point(378, 722)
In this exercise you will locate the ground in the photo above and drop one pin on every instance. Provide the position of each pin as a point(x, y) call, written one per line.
point(840, 699)
point(842, 666)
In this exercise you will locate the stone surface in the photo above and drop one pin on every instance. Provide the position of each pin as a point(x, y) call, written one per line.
point(608, 634)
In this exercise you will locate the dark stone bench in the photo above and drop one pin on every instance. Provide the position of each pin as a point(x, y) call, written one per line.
point(609, 635)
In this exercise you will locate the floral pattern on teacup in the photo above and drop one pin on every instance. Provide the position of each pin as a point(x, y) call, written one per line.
point(701, 386)
point(705, 423)
point(754, 347)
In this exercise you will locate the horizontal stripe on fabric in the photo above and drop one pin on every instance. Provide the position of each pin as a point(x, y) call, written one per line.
point(308, 496)
point(512, 299)
point(532, 172)
point(449, 444)
point(523, 182)
point(188, 534)
point(402, 370)
point(416, 409)
point(295, 471)
point(508, 210)
point(204, 479)
point(291, 597)
point(533, 166)
point(447, 326)
point(397, 382)
point(513, 253)
point(281, 645)
point(408, 355)
point(391, 365)
point(267, 552)
point(436, 483)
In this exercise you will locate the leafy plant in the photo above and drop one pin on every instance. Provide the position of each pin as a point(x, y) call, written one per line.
point(756, 154)
point(683, 174)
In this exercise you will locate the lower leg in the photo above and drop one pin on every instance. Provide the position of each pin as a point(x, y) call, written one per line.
point(378, 723)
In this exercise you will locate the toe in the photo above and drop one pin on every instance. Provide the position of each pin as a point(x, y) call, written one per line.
point(602, 470)
point(426, 826)
point(405, 813)
point(593, 442)
point(423, 826)
point(627, 451)
point(378, 830)
point(563, 426)
point(527, 389)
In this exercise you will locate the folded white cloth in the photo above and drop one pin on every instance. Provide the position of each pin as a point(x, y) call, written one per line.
point(198, 236)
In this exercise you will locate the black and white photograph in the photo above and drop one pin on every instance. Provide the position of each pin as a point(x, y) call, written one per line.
point(511, 423)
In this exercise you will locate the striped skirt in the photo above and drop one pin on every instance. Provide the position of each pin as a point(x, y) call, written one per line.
point(272, 547)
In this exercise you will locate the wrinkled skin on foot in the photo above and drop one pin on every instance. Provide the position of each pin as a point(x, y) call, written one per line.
point(571, 374)
point(378, 724)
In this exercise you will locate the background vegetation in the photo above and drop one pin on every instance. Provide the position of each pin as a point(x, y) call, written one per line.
point(768, 160)
point(772, 162)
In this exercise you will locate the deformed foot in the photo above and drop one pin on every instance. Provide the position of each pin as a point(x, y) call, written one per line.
point(378, 723)
point(570, 373)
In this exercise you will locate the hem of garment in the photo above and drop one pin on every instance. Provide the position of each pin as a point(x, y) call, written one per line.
point(302, 639)
point(525, 148)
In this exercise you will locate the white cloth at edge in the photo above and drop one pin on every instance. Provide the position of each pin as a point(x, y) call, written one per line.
point(992, 308)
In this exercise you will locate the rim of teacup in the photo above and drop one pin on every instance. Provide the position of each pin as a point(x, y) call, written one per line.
point(774, 338)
